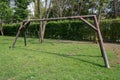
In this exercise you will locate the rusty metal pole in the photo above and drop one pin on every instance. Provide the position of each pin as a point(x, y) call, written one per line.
point(104, 55)
point(21, 26)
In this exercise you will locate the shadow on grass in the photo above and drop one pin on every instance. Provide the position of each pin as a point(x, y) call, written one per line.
point(70, 56)
point(61, 41)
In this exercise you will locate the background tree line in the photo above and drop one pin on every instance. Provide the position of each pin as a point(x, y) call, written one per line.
point(104, 9)
point(59, 8)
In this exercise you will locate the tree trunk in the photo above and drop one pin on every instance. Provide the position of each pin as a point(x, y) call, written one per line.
point(115, 8)
point(1, 28)
point(35, 8)
point(79, 7)
point(99, 18)
point(46, 15)
point(40, 16)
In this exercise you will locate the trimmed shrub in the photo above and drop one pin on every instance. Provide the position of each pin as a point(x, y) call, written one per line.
point(70, 30)
point(110, 30)
point(10, 29)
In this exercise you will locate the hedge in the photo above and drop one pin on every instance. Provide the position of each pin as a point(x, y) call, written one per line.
point(110, 30)
point(70, 30)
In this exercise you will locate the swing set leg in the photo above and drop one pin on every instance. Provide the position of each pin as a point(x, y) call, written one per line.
point(15, 39)
point(25, 38)
point(25, 32)
point(17, 35)
point(103, 53)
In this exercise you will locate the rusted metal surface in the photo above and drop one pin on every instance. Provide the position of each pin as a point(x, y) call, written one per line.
point(94, 27)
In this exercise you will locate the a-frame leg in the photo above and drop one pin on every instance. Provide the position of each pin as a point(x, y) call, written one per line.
point(17, 35)
point(104, 55)
point(96, 28)
point(25, 38)
point(25, 31)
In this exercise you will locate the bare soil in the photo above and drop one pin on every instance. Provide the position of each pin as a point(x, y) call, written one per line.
point(114, 48)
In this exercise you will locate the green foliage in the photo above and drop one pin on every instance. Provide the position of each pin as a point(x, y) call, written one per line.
point(21, 11)
point(79, 7)
point(20, 14)
point(6, 1)
point(22, 3)
point(5, 11)
point(111, 30)
point(71, 30)
point(54, 60)
point(11, 29)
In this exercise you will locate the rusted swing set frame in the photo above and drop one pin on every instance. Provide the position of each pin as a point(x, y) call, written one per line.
point(24, 25)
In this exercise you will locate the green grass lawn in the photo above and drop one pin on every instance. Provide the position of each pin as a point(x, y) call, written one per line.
point(54, 60)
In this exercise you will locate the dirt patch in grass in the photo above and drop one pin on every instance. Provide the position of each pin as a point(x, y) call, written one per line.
point(115, 48)
point(112, 47)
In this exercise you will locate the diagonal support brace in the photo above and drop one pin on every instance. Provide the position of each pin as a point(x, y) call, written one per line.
point(88, 23)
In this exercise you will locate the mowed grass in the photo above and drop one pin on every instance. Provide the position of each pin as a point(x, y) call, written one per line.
point(54, 60)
